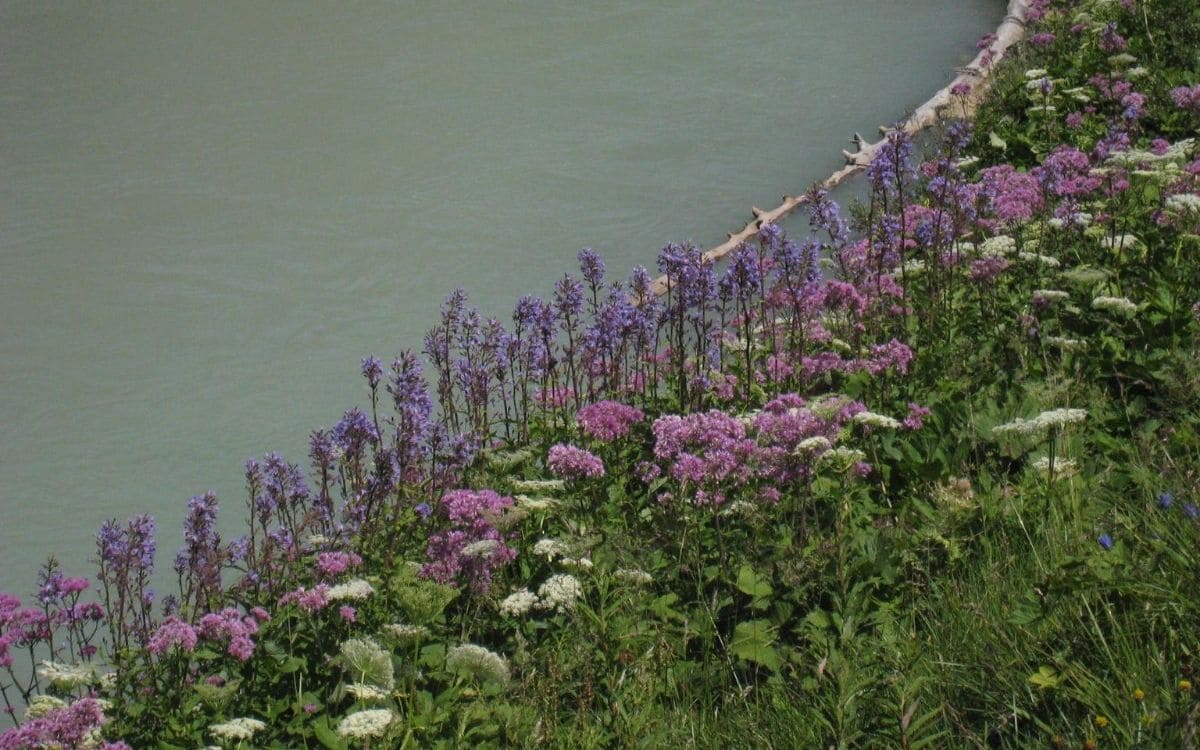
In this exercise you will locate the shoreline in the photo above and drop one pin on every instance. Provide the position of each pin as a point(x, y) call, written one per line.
point(977, 75)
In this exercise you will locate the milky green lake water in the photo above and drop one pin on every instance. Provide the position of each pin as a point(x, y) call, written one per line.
point(210, 211)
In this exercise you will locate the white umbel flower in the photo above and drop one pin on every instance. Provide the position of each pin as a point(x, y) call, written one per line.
point(518, 603)
point(66, 676)
point(365, 692)
point(537, 485)
point(1121, 242)
point(1184, 203)
point(237, 729)
point(560, 592)
point(478, 662)
point(998, 246)
point(1122, 305)
point(361, 725)
point(549, 548)
point(1046, 296)
point(635, 576)
point(814, 444)
point(356, 589)
point(406, 633)
point(871, 419)
point(482, 549)
point(1047, 420)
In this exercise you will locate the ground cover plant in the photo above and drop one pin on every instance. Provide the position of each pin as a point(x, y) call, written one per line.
point(926, 476)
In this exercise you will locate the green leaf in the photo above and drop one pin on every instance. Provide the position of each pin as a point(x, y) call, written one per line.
point(751, 582)
point(326, 736)
point(1045, 677)
point(754, 641)
point(997, 142)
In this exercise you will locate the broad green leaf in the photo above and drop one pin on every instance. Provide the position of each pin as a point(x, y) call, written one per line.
point(754, 641)
point(750, 581)
point(326, 736)
point(1045, 677)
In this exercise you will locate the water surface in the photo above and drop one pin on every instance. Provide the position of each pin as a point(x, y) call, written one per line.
point(210, 211)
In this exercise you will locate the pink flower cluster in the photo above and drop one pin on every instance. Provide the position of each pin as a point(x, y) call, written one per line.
point(232, 626)
point(473, 515)
point(172, 633)
point(308, 600)
point(19, 627)
point(786, 421)
point(1012, 196)
point(1187, 97)
point(893, 356)
point(69, 726)
point(704, 450)
point(331, 564)
point(570, 462)
point(608, 420)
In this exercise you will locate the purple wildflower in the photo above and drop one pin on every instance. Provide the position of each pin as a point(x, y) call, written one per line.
point(570, 462)
point(172, 633)
point(608, 420)
point(372, 370)
point(1105, 541)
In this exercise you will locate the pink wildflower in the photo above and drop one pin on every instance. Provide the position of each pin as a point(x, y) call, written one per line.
point(570, 462)
point(608, 420)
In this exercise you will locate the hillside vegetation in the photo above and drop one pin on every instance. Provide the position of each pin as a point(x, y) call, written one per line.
point(923, 477)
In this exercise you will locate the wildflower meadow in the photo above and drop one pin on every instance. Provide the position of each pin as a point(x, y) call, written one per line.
point(924, 474)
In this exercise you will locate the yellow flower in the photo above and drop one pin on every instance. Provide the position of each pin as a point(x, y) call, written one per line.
point(1102, 721)
point(1185, 685)
point(1090, 744)
point(1139, 695)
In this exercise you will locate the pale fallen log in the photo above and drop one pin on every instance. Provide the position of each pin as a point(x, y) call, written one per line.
point(976, 75)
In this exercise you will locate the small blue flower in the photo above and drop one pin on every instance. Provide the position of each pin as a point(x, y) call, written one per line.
point(1165, 499)
point(1105, 541)
point(1190, 509)
point(423, 510)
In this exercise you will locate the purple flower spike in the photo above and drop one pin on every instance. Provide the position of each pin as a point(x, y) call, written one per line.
point(372, 370)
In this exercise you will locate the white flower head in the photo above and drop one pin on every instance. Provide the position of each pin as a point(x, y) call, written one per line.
point(1184, 203)
point(560, 592)
point(1122, 305)
point(1121, 242)
point(406, 633)
point(871, 419)
point(814, 444)
point(1066, 344)
point(530, 502)
point(40, 705)
point(1046, 296)
point(372, 722)
point(537, 485)
point(482, 549)
point(237, 729)
point(356, 589)
point(518, 603)
point(364, 692)
point(549, 548)
point(998, 246)
point(635, 576)
point(477, 662)
point(66, 676)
